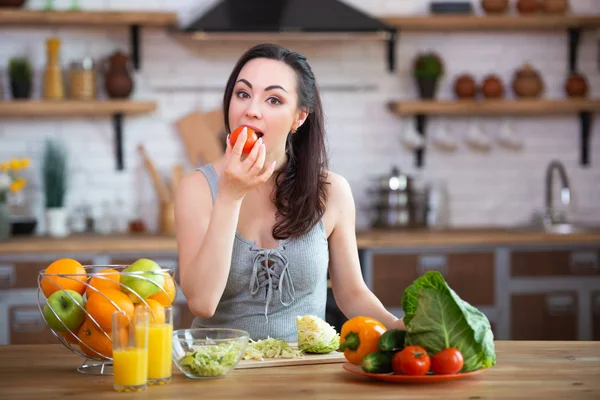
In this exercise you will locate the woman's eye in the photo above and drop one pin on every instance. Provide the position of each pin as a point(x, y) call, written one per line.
point(274, 100)
point(241, 94)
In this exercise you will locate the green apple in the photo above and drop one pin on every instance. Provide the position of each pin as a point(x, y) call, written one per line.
point(69, 307)
point(147, 283)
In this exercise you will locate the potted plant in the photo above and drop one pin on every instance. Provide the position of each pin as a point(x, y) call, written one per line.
point(427, 70)
point(10, 182)
point(19, 71)
point(54, 172)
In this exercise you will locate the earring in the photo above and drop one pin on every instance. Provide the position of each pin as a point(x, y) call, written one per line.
point(293, 131)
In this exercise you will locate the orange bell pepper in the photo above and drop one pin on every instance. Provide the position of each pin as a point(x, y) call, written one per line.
point(359, 337)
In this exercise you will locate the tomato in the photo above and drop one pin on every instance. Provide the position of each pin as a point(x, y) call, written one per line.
point(412, 360)
point(250, 139)
point(447, 362)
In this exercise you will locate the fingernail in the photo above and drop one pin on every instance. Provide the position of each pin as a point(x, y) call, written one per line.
point(259, 140)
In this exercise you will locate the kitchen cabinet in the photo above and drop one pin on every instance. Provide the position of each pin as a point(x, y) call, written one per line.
point(549, 263)
point(471, 275)
point(27, 326)
point(544, 316)
point(595, 311)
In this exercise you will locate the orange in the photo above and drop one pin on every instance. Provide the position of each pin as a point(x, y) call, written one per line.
point(67, 266)
point(70, 337)
point(93, 337)
point(169, 288)
point(157, 311)
point(100, 308)
point(102, 280)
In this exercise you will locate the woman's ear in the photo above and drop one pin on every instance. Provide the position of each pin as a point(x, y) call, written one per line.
point(301, 116)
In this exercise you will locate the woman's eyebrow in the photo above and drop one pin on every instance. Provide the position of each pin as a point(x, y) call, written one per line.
point(270, 87)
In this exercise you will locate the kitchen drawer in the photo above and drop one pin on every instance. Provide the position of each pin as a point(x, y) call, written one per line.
point(182, 316)
point(544, 316)
point(555, 263)
point(471, 275)
point(21, 274)
point(28, 327)
point(596, 316)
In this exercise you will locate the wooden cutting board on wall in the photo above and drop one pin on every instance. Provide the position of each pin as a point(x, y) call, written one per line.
point(308, 359)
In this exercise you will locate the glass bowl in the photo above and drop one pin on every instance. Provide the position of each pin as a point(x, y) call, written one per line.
point(208, 352)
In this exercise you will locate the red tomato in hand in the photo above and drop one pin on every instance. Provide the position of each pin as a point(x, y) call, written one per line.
point(412, 360)
point(447, 362)
point(251, 138)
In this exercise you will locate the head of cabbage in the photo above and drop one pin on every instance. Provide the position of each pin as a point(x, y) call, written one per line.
point(316, 335)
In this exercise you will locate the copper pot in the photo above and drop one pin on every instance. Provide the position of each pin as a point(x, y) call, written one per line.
point(555, 6)
point(494, 6)
point(492, 87)
point(527, 6)
point(527, 82)
point(576, 85)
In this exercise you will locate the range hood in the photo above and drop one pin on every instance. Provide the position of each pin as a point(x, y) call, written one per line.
point(289, 19)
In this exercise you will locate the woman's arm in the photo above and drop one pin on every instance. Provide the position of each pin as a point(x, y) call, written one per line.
point(205, 235)
point(205, 231)
point(349, 289)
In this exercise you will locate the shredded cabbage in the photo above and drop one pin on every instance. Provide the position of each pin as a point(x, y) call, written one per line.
point(270, 348)
point(316, 335)
point(213, 360)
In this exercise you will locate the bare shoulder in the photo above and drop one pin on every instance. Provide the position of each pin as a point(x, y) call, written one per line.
point(193, 189)
point(338, 189)
point(340, 203)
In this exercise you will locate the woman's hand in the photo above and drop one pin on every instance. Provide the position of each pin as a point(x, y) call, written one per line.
point(241, 176)
point(397, 324)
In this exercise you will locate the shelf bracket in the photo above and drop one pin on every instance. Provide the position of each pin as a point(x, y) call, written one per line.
point(421, 120)
point(391, 51)
point(134, 38)
point(574, 35)
point(118, 127)
point(585, 123)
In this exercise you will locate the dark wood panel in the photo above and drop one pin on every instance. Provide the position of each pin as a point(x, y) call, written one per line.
point(555, 263)
point(28, 327)
point(392, 273)
point(596, 316)
point(545, 316)
point(471, 276)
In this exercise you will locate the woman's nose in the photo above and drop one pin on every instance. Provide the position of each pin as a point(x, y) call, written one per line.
point(253, 110)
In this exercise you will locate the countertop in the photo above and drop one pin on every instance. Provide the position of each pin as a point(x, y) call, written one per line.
point(524, 370)
point(94, 243)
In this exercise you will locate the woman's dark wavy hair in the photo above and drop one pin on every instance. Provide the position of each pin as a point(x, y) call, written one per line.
point(300, 194)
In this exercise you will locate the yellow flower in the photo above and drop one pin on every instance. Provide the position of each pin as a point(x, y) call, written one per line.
point(4, 166)
point(15, 164)
point(17, 185)
point(25, 163)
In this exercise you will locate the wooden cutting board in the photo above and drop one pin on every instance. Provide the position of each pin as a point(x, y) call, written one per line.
point(307, 359)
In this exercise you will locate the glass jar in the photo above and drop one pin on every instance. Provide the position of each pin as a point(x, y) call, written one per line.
point(82, 80)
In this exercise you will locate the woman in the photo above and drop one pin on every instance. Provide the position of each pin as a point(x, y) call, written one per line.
point(257, 233)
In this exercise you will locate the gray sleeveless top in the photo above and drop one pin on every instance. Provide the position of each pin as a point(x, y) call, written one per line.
point(267, 288)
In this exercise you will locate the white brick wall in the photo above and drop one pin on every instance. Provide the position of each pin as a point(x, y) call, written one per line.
point(497, 188)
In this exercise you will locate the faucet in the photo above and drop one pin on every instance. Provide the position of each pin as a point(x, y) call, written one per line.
point(565, 191)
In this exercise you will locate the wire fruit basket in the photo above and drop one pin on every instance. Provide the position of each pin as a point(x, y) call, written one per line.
point(77, 307)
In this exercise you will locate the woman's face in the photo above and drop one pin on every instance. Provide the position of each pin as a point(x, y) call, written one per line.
point(265, 99)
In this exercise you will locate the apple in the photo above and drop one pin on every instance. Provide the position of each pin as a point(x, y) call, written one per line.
point(69, 307)
point(150, 281)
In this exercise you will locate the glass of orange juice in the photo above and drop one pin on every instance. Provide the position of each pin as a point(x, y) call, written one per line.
point(160, 347)
point(130, 350)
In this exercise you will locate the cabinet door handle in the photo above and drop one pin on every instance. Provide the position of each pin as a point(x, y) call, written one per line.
point(432, 263)
point(560, 305)
point(25, 320)
point(583, 262)
point(7, 276)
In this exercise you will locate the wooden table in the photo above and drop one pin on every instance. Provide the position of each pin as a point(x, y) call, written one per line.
point(525, 370)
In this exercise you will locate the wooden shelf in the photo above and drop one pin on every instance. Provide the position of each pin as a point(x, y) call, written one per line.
point(494, 107)
point(491, 22)
point(73, 108)
point(86, 18)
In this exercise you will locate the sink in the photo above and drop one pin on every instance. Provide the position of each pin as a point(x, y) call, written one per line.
point(560, 228)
